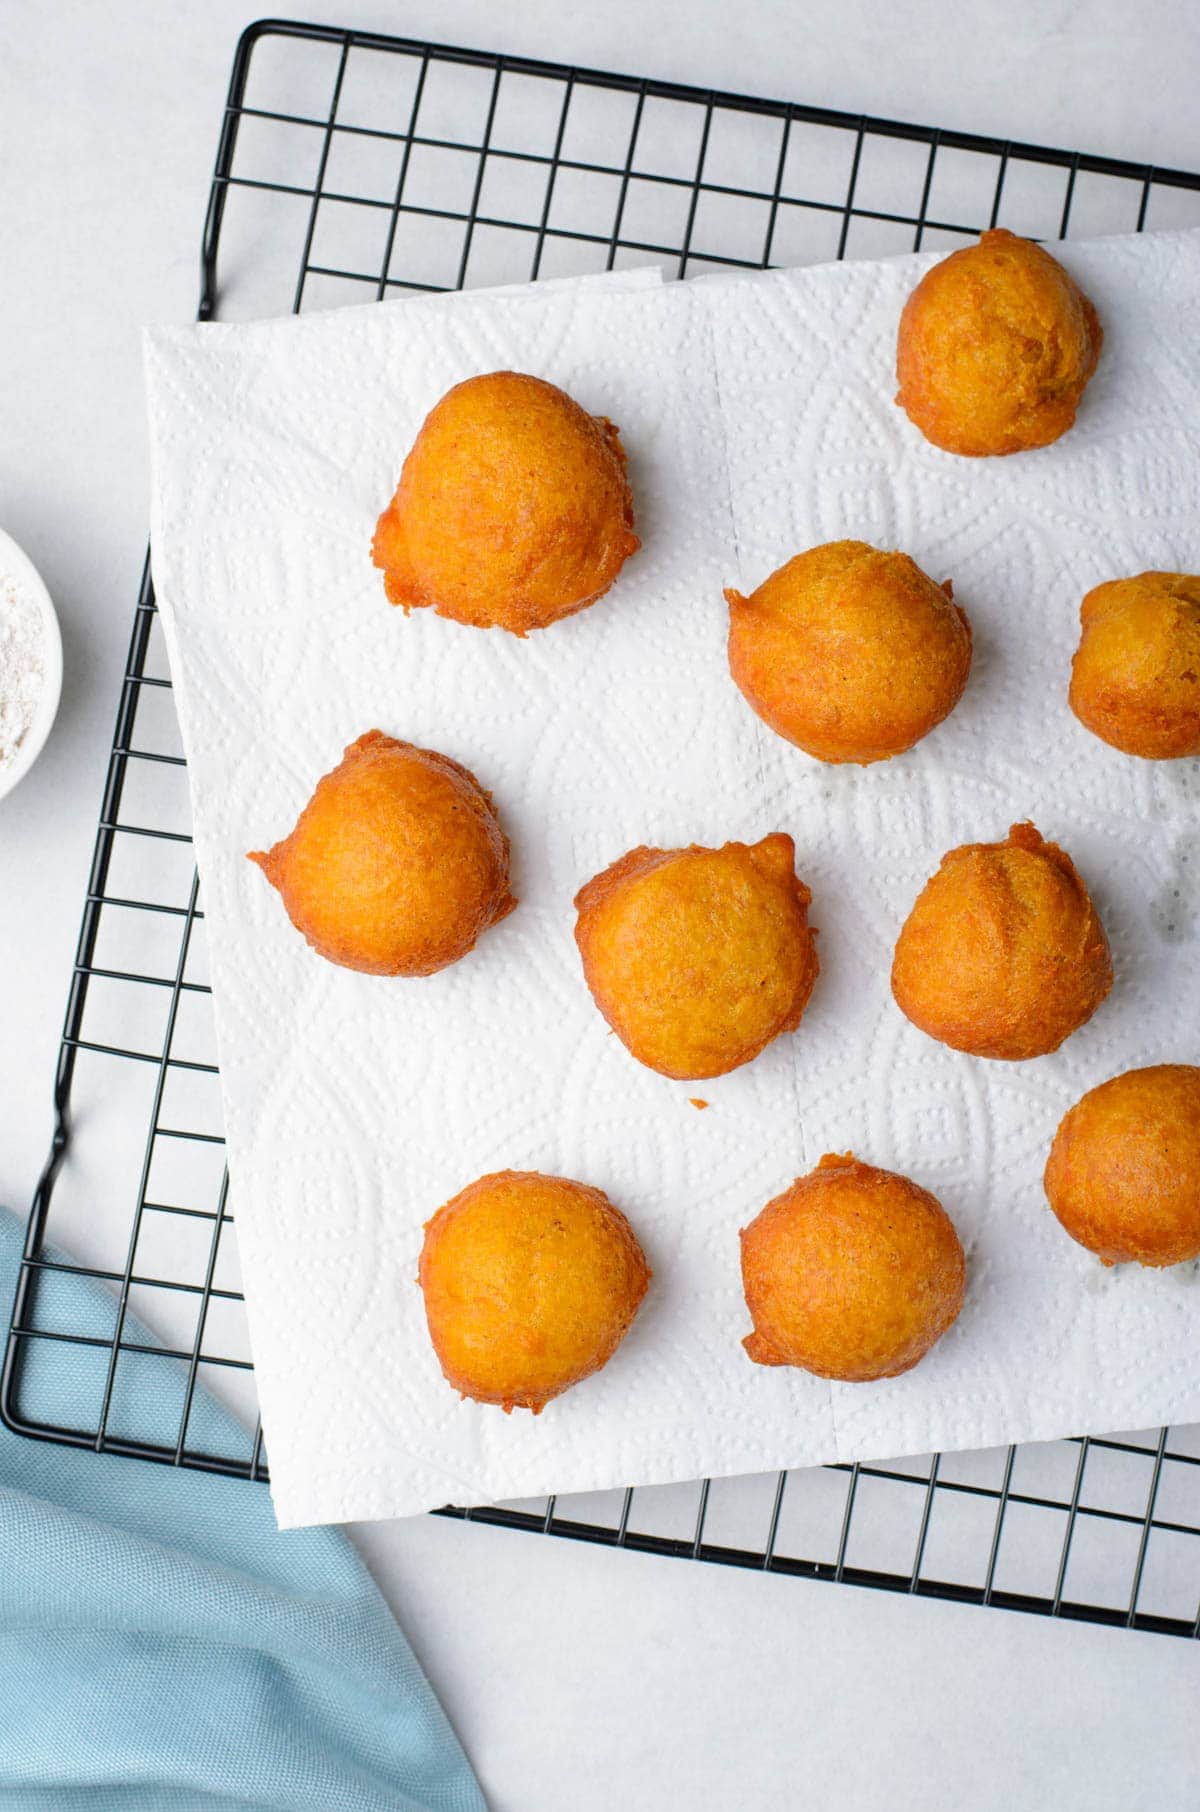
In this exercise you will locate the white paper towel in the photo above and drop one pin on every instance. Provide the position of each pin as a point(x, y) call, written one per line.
point(758, 417)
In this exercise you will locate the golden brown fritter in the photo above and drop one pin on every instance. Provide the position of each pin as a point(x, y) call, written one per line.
point(996, 346)
point(1123, 1175)
point(530, 1284)
point(850, 653)
point(698, 958)
point(512, 510)
point(396, 864)
point(1003, 954)
point(852, 1273)
point(1135, 678)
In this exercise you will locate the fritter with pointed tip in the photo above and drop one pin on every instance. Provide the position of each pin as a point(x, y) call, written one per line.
point(1002, 955)
point(698, 958)
point(850, 653)
point(396, 865)
point(996, 346)
point(513, 509)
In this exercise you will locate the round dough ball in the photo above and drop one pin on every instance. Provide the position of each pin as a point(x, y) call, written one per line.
point(698, 958)
point(530, 1284)
point(1135, 678)
point(512, 509)
point(1123, 1175)
point(848, 652)
point(995, 349)
point(1002, 954)
point(852, 1273)
point(396, 864)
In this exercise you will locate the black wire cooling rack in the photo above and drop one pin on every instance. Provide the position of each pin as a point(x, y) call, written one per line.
point(353, 166)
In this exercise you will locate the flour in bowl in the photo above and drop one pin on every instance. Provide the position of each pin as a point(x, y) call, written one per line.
point(22, 664)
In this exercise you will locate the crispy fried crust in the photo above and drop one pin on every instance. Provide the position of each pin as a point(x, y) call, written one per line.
point(1135, 678)
point(513, 508)
point(397, 863)
point(1123, 1175)
point(698, 958)
point(850, 653)
point(851, 1273)
point(995, 349)
point(1002, 955)
point(531, 1283)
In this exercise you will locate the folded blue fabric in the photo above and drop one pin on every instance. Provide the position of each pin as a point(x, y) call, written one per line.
point(163, 1645)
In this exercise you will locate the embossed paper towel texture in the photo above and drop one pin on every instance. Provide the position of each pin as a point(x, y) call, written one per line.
point(354, 1106)
point(1048, 1343)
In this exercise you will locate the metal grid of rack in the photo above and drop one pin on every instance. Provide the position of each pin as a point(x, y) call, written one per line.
point(353, 166)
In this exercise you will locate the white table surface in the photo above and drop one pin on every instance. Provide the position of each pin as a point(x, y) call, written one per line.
point(578, 1678)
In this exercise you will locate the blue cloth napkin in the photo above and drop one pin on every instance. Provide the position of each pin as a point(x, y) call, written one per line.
point(164, 1646)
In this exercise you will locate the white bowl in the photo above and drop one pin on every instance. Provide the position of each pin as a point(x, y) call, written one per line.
point(17, 565)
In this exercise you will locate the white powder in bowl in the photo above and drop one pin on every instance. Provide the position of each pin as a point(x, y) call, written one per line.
point(22, 664)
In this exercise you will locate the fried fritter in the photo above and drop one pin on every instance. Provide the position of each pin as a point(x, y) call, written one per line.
point(996, 346)
point(852, 1273)
point(1135, 678)
point(397, 863)
point(1123, 1175)
point(512, 510)
point(698, 958)
point(531, 1283)
point(1002, 955)
point(850, 653)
